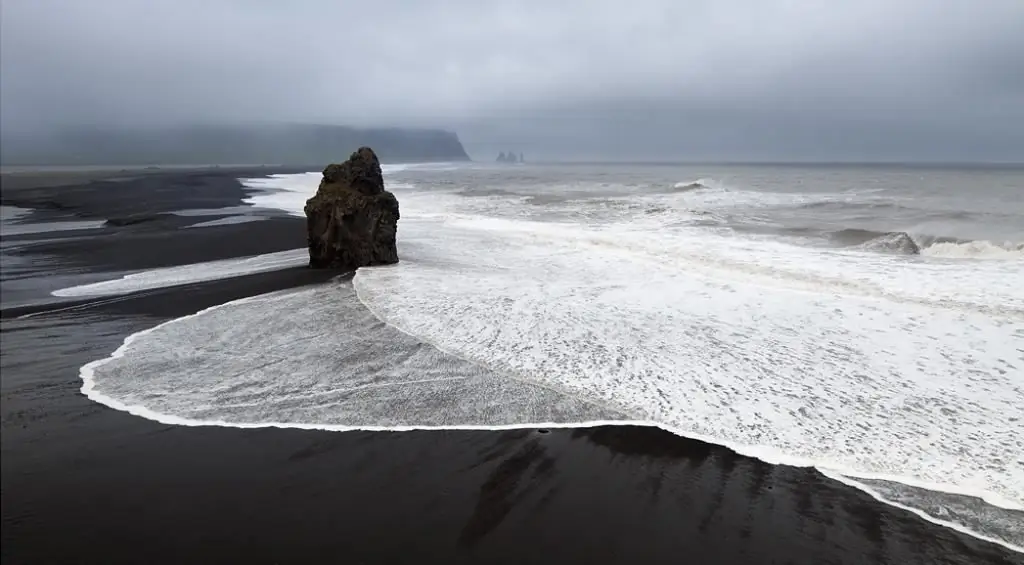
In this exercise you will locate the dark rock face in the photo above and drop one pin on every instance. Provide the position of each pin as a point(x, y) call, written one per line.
point(899, 243)
point(352, 221)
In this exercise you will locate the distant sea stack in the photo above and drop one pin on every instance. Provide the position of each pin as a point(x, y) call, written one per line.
point(510, 157)
point(292, 145)
point(352, 221)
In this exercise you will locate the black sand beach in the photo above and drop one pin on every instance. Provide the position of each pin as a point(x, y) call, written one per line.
point(83, 483)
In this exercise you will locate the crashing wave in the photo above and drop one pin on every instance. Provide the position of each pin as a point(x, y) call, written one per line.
point(897, 242)
point(975, 250)
point(699, 184)
point(903, 243)
point(900, 243)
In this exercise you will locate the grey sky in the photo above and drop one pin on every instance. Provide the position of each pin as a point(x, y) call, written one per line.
point(665, 78)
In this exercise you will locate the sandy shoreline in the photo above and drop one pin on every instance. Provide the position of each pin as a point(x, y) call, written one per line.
point(87, 484)
point(20, 177)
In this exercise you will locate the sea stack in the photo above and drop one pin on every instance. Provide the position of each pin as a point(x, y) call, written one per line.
point(509, 157)
point(352, 221)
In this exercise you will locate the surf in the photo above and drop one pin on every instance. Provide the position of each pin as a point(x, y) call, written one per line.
point(827, 359)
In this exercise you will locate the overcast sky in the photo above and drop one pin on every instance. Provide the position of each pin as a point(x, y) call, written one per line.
point(715, 79)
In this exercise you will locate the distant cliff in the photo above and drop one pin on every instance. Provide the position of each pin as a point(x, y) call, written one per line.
point(286, 145)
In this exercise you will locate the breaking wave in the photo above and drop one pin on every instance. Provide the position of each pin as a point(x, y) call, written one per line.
point(975, 250)
point(894, 242)
point(701, 184)
point(929, 245)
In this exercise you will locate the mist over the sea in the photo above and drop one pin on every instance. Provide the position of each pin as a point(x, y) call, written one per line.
point(737, 80)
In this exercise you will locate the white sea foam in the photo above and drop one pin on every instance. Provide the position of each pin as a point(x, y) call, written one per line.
point(48, 227)
point(374, 376)
point(869, 367)
point(282, 192)
point(709, 192)
point(854, 377)
point(190, 212)
point(229, 220)
point(11, 213)
point(10, 216)
point(698, 184)
point(187, 274)
point(290, 192)
point(976, 250)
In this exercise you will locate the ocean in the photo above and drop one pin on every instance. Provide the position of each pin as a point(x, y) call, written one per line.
point(865, 323)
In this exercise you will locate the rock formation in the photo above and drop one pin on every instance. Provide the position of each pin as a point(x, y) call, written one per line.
point(893, 242)
point(509, 157)
point(352, 221)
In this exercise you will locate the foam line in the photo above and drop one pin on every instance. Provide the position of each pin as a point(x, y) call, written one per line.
point(86, 306)
point(920, 514)
point(187, 274)
point(49, 227)
point(229, 220)
point(990, 498)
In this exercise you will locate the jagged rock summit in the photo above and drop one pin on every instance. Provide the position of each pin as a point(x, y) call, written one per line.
point(352, 221)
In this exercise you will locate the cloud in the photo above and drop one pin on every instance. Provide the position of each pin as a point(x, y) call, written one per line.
point(730, 72)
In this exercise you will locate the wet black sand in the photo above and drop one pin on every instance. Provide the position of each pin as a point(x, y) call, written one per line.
point(82, 483)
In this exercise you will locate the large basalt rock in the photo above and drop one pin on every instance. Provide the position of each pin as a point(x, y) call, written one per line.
point(352, 221)
point(897, 242)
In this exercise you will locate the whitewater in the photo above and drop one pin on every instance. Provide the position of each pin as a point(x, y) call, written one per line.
point(794, 326)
